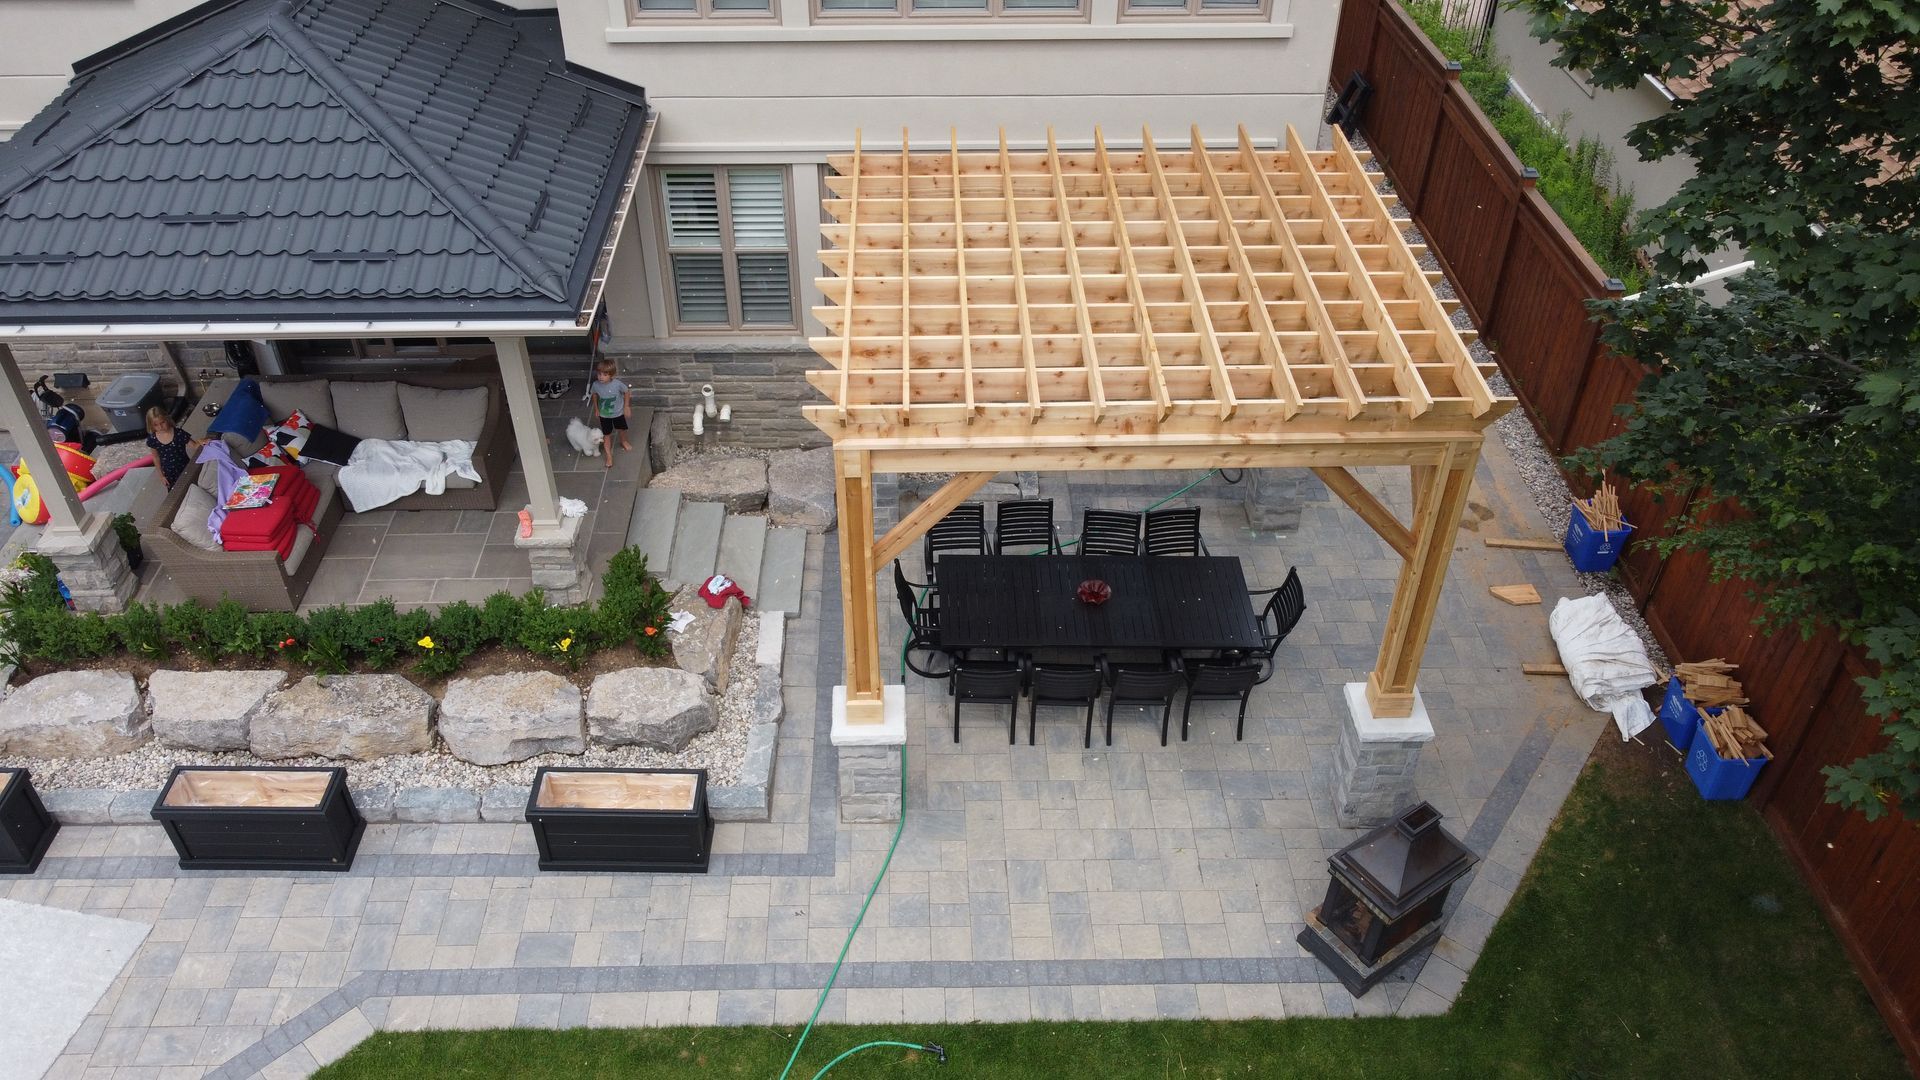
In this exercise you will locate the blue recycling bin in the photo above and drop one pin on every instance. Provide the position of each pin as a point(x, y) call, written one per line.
point(1718, 777)
point(1594, 551)
point(1679, 716)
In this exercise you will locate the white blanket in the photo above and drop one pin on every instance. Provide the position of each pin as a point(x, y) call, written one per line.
point(381, 471)
point(1605, 660)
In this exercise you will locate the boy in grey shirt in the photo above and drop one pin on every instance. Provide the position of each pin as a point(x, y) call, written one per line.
point(612, 404)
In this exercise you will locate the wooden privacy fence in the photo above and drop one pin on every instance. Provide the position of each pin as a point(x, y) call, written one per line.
point(1526, 281)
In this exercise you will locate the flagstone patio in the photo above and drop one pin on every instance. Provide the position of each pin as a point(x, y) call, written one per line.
point(1049, 881)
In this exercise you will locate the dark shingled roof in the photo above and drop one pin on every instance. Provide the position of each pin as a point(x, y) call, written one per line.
point(318, 160)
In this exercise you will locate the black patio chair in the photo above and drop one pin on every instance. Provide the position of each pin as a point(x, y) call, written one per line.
point(987, 682)
point(1062, 685)
point(1025, 524)
point(962, 532)
point(1277, 618)
point(1175, 532)
point(920, 607)
point(1109, 532)
point(1214, 680)
point(1141, 686)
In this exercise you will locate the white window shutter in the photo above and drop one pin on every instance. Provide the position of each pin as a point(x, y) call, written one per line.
point(758, 201)
point(693, 210)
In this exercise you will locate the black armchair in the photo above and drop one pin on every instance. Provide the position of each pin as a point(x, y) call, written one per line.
point(1281, 613)
point(1143, 687)
point(920, 607)
point(1175, 532)
point(1109, 532)
point(1218, 681)
point(987, 682)
point(1065, 685)
point(962, 532)
point(1025, 524)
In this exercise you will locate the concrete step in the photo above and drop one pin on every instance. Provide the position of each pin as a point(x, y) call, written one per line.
point(696, 542)
point(743, 540)
point(656, 513)
point(782, 569)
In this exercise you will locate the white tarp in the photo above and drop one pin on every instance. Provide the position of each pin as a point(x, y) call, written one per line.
point(1605, 661)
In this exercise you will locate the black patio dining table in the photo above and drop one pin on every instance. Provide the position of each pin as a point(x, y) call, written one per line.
point(1030, 602)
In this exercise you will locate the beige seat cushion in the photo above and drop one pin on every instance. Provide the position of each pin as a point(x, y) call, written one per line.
point(190, 521)
point(302, 545)
point(436, 415)
point(310, 397)
point(368, 410)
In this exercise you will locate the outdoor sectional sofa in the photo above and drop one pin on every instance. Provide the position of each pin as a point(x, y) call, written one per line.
point(357, 405)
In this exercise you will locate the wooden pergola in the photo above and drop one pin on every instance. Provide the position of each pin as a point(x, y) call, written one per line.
point(1137, 309)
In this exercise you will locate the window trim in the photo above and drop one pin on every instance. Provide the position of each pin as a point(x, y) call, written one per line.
point(1197, 9)
point(996, 9)
point(703, 12)
point(729, 254)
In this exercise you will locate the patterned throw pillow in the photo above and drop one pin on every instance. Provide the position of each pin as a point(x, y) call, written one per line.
point(285, 441)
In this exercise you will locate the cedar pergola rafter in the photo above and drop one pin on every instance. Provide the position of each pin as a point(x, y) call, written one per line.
point(1150, 309)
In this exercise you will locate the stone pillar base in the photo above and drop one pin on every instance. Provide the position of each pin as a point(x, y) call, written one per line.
point(557, 554)
point(1274, 497)
point(869, 759)
point(92, 564)
point(1374, 761)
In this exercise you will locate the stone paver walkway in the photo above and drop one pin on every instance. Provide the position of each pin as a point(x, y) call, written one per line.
point(1032, 882)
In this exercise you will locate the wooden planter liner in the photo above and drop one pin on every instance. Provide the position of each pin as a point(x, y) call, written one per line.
point(226, 817)
point(26, 828)
point(621, 819)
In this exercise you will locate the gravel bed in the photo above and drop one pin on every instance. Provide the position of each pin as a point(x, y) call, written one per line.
point(687, 452)
point(721, 752)
point(1538, 471)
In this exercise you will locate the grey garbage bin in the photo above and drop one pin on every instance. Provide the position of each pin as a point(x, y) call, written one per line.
point(126, 401)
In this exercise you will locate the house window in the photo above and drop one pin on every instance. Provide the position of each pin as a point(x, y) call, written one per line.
point(703, 9)
point(729, 247)
point(953, 8)
point(1242, 8)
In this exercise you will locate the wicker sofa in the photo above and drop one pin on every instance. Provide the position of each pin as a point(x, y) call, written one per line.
point(259, 579)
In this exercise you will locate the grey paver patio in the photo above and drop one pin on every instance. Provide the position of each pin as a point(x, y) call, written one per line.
point(1047, 881)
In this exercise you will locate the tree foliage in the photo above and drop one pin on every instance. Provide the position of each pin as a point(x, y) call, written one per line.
point(1798, 401)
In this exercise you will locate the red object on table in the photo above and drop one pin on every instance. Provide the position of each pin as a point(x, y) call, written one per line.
point(274, 526)
point(1094, 591)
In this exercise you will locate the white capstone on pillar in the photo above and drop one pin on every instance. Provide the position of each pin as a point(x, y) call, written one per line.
point(869, 758)
point(1373, 763)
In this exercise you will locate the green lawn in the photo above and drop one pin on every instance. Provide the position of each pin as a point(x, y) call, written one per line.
point(1657, 936)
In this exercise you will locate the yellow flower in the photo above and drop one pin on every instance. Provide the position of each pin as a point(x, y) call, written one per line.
point(566, 643)
point(425, 642)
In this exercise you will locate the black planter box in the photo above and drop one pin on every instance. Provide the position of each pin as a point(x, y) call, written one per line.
point(227, 817)
point(26, 829)
point(621, 819)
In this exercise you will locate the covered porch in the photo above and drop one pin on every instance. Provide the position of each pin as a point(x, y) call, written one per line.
point(325, 169)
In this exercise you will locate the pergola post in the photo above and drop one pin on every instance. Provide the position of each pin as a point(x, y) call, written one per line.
point(556, 549)
point(84, 548)
point(869, 724)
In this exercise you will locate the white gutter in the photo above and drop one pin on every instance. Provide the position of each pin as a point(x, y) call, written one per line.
point(603, 264)
point(37, 333)
point(1708, 278)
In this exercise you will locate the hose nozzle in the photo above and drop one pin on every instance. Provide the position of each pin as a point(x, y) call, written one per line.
point(938, 1051)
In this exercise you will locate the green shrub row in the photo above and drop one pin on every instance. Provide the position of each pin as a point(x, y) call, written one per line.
point(377, 637)
point(1574, 179)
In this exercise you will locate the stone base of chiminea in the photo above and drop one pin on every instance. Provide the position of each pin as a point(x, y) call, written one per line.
point(1356, 974)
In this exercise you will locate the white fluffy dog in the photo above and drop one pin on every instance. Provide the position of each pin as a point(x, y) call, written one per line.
point(584, 439)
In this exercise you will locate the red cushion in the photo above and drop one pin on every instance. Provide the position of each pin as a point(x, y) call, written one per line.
point(274, 526)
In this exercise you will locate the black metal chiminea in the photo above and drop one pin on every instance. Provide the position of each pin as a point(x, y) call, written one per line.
point(1385, 899)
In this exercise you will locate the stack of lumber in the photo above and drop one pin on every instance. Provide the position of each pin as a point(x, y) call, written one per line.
point(1603, 510)
point(1735, 735)
point(1710, 683)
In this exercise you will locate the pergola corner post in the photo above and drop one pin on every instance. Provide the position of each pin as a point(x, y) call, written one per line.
point(1387, 723)
point(869, 723)
point(556, 550)
point(83, 546)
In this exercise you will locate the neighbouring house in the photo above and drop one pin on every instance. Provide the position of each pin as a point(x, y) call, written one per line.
point(714, 280)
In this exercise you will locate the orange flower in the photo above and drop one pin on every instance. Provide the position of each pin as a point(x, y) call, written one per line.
point(652, 630)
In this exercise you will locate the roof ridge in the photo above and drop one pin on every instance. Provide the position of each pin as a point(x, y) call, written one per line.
point(507, 243)
point(37, 161)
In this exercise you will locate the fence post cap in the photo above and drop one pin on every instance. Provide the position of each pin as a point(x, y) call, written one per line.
point(1614, 284)
point(1529, 174)
point(1452, 68)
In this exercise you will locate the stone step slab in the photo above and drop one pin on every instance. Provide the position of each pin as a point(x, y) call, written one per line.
point(782, 570)
point(743, 542)
point(696, 543)
point(656, 514)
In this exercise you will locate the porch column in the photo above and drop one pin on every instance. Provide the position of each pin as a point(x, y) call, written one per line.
point(556, 550)
point(1387, 723)
point(869, 719)
point(83, 546)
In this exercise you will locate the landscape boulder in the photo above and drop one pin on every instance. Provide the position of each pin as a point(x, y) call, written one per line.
point(738, 482)
point(800, 489)
point(660, 708)
point(495, 719)
point(705, 647)
point(208, 710)
point(80, 714)
point(359, 717)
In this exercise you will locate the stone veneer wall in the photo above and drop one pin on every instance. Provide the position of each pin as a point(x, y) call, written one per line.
point(103, 362)
point(766, 385)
